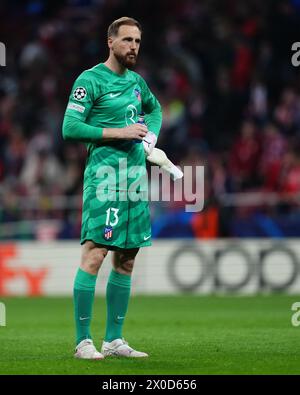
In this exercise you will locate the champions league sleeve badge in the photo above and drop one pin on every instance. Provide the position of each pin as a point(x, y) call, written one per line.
point(79, 93)
point(108, 232)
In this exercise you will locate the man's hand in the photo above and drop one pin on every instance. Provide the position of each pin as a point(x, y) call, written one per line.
point(136, 131)
point(131, 132)
point(149, 142)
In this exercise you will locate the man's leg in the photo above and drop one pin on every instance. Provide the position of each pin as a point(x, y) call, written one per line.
point(118, 292)
point(117, 299)
point(84, 291)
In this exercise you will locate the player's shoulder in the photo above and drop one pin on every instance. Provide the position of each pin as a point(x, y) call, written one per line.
point(135, 76)
point(91, 73)
point(93, 79)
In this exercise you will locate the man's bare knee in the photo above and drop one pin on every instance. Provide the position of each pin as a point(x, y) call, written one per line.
point(92, 257)
point(127, 266)
point(123, 262)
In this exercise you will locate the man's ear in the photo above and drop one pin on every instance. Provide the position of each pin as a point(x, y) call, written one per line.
point(109, 42)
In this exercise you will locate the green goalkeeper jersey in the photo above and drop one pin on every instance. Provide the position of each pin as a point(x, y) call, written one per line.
point(101, 98)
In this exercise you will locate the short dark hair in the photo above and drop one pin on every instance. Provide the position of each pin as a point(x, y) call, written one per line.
point(113, 29)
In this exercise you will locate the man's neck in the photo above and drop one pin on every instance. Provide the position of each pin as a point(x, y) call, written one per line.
point(114, 65)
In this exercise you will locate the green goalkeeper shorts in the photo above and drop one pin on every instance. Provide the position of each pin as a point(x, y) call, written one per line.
point(117, 221)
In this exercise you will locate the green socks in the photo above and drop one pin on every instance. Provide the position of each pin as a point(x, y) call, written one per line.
point(117, 298)
point(84, 290)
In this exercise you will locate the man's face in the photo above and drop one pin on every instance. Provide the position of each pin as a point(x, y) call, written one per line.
point(125, 46)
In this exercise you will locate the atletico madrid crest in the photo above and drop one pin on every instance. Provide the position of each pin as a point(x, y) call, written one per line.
point(137, 94)
point(108, 232)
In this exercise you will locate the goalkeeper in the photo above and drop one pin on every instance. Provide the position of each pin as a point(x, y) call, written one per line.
point(103, 111)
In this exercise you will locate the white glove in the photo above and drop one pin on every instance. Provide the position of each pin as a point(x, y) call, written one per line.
point(149, 142)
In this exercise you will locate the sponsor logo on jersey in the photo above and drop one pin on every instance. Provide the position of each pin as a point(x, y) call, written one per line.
point(137, 93)
point(76, 107)
point(108, 232)
point(79, 93)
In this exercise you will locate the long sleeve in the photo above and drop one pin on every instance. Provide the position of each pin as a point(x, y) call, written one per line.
point(152, 109)
point(80, 103)
point(75, 129)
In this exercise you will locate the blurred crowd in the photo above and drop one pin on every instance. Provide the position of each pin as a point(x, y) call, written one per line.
point(221, 70)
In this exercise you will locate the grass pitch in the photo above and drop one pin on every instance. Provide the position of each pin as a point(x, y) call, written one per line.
point(182, 334)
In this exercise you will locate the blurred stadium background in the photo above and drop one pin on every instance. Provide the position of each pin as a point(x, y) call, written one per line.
point(231, 101)
point(230, 96)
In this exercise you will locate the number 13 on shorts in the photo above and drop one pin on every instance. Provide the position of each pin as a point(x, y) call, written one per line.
point(112, 217)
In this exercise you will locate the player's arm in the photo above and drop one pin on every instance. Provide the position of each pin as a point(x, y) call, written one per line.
point(74, 124)
point(130, 132)
point(153, 117)
point(75, 129)
point(152, 109)
point(80, 103)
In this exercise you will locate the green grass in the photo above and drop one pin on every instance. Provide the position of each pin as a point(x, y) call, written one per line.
point(182, 334)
